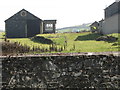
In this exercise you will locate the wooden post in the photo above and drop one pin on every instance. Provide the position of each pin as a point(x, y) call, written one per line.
point(54, 27)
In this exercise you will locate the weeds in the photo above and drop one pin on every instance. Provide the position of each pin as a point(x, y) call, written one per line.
point(65, 43)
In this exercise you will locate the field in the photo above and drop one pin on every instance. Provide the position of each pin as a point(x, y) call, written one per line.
point(72, 42)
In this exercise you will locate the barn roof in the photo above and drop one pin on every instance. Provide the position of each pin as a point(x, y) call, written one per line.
point(94, 23)
point(23, 10)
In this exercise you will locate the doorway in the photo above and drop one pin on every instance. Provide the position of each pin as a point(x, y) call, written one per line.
point(33, 27)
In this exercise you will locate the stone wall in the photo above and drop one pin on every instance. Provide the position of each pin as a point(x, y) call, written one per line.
point(83, 72)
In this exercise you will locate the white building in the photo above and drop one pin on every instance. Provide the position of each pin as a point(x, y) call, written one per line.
point(111, 23)
point(117, 0)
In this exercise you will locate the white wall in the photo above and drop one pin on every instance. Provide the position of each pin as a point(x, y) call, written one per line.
point(117, 0)
point(111, 25)
point(119, 23)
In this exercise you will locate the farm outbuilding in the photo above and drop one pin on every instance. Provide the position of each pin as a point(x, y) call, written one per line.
point(24, 24)
point(112, 18)
point(111, 22)
point(94, 26)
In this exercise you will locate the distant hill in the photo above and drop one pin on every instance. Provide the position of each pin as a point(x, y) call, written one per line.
point(2, 31)
point(77, 28)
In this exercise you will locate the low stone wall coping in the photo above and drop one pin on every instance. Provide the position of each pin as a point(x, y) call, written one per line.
point(64, 54)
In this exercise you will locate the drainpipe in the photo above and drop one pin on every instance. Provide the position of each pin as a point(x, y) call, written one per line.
point(26, 30)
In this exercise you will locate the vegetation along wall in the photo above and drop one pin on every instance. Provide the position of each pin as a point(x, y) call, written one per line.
point(83, 71)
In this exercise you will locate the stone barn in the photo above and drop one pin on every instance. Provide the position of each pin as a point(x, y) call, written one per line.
point(24, 24)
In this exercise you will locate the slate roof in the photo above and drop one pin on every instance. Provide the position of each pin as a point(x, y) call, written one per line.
point(27, 12)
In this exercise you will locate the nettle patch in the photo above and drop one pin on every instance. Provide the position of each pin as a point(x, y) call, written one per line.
point(13, 48)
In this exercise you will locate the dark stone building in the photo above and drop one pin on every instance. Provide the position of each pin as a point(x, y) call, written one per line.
point(24, 24)
point(94, 27)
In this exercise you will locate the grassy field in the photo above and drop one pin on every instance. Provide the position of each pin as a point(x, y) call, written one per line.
point(74, 42)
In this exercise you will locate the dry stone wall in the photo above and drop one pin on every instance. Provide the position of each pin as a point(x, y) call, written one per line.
point(83, 72)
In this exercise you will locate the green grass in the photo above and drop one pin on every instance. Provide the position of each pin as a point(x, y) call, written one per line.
point(28, 42)
point(76, 42)
point(65, 30)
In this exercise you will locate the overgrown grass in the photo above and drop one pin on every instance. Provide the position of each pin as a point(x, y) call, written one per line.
point(28, 42)
point(73, 42)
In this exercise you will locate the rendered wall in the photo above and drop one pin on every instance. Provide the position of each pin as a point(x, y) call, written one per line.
point(119, 23)
point(111, 25)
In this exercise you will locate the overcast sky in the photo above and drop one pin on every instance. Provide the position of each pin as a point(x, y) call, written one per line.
point(67, 12)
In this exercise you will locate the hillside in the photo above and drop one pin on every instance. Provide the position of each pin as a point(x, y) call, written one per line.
point(77, 28)
point(2, 31)
point(67, 42)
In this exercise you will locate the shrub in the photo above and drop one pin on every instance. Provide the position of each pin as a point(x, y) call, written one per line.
point(42, 40)
point(107, 38)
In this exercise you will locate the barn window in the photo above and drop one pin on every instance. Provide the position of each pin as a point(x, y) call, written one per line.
point(49, 27)
point(23, 13)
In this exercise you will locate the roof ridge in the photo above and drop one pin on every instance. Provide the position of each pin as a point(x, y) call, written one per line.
point(20, 11)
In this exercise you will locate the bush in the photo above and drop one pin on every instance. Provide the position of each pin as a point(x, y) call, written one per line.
point(107, 38)
point(42, 40)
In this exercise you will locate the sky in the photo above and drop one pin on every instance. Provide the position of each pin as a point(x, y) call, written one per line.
point(66, 12)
